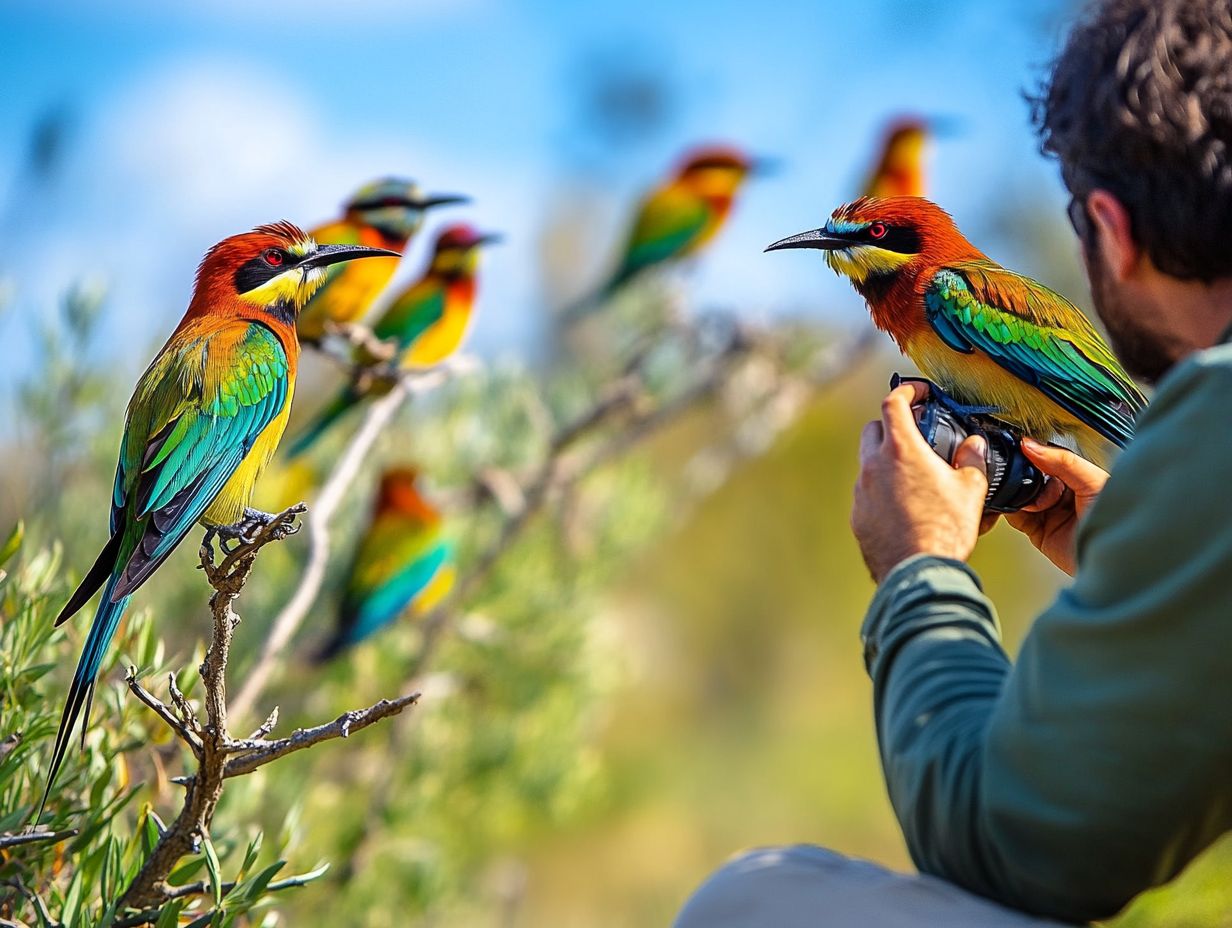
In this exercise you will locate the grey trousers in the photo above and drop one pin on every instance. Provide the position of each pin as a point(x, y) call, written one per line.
point(809, 887)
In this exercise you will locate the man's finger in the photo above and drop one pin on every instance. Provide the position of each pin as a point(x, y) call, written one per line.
point(870, 440)
point(897, 419)
point(971, 453)
point(1077, 473)
point(1053, 490)
point(919, 390)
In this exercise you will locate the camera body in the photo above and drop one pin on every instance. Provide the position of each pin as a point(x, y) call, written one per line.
point(1013, 481)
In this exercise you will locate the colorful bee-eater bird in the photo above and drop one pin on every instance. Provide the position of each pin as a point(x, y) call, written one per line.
point(998, 342)
point(679, 218)
point(403, 562)
point(899, 171)
point(384, 214)
point(424, 324)
point(204, 420)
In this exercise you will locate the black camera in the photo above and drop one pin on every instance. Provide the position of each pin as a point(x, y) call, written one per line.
point(1013, 481)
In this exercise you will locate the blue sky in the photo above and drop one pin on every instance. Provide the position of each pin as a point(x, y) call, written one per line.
point(189, 122)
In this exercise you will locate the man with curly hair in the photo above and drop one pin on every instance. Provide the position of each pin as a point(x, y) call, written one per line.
point(1100, 763)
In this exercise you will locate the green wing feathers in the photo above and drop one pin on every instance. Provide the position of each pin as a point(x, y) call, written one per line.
point(196, 414)
point(417, 310)
point(1039, 337)
point(668, 224)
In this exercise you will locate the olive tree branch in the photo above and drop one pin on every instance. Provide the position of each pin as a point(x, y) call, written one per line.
point(218, 756)
point(255, 753)
point(35, 837)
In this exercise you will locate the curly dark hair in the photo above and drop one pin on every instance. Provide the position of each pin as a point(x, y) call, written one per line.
point(1139, 103)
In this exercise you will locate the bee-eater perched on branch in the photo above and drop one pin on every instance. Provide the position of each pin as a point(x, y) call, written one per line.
point(992, 338)
point(403, 563)
point(899, 171)
point(680, 217)
point(424, 324)
point(384, 214)
point(204, 420)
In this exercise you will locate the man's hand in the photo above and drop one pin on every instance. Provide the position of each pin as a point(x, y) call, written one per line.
point(1050, 521)
point(908, 500)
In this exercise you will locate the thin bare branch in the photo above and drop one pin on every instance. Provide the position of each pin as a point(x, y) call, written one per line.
point(259, 753)
point(266, 727)
point(34, 899)
point(163, 711)
point(218, 755)
point(35, 837)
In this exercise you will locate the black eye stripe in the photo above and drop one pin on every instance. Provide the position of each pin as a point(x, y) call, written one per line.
point(254, 272)
point(706, 163)
point(900, 239)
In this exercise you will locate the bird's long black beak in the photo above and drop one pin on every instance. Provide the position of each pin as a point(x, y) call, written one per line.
point(489, 238)
point(439, 199)
point(816, 238)
point(332, 254)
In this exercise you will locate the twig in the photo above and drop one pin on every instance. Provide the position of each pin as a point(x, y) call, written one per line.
point(182, 705)
point(163, 711)
point(34, 899)
point(35, 837)
point(258, 753)
point(266, 727)
point(288, 621)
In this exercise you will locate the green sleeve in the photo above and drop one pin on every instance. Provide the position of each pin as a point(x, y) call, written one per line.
point(1100, 763)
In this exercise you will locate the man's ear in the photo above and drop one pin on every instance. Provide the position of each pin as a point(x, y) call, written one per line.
point(1114, 234)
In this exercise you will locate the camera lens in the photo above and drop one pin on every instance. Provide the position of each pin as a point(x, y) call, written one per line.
point(1013, 481)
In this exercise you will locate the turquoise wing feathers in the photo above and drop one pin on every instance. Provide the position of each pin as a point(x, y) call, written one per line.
point(1038, 336)
point(182, 445)
point(394, 564)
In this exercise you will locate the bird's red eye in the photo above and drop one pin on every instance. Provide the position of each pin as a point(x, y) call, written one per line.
point(878, 230)
point(273, 257)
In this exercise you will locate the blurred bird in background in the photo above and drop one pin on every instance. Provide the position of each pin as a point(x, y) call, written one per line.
point(679, 218)
point(997, 341)
point(384, 214)
point(900, 168)
point(424, 324)
point(403, 563)
point(203, 422)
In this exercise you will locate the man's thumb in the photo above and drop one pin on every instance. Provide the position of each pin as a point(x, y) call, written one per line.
point(971, 454)
point(1076, 472)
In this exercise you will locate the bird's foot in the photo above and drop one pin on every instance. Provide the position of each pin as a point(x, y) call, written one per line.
point(245, 531)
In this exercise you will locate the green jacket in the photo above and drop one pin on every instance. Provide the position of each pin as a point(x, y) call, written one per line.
point(1100, 763)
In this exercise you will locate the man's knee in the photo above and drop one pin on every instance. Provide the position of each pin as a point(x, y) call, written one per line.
point(770, 886)
point(803, 886)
